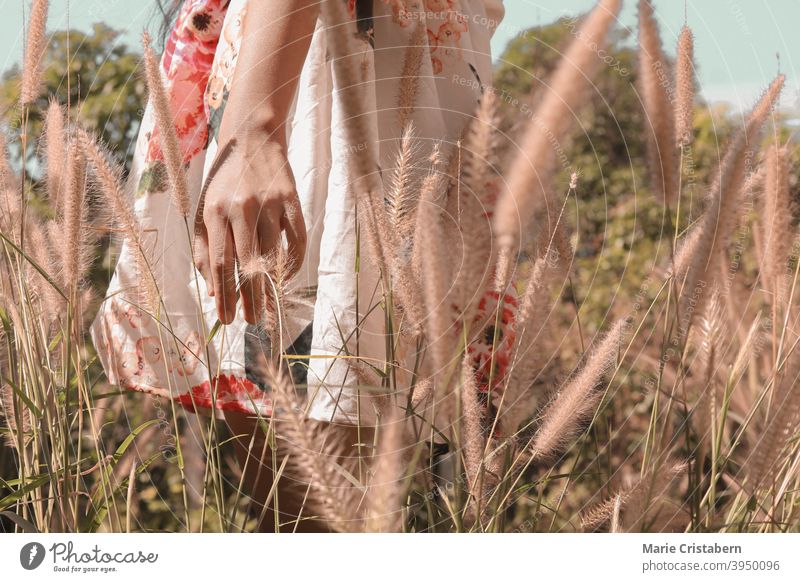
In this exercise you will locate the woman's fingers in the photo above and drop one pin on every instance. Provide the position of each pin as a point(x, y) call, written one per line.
point(221, 253)
point(269, 231)
point(246, 242)
point(295, 226)
point(269, 236)
point(201, 257)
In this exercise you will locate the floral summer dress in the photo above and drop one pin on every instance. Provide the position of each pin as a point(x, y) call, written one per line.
point(181, 355)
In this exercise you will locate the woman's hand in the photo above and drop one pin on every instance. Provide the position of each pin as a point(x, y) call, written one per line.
point(250, 193)
point(249, 199)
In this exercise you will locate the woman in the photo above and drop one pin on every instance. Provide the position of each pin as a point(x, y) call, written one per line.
point(258, 113)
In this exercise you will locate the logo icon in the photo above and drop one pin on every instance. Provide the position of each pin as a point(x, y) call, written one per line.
point(31, 555)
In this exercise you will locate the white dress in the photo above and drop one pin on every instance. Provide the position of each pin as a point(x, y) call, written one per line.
point(177, 353)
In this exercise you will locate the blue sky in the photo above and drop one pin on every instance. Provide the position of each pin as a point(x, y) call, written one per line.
point(736, 40)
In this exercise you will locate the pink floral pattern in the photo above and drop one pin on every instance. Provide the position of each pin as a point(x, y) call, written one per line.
point(186, 64)
point(222, 73)
point(446, 23)
point(137, 363)
point(490, 351)
point(402, 11)
point(446, 42)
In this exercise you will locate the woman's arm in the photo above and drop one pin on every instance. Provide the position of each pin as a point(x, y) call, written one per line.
point(250, 195)
point(276, 37)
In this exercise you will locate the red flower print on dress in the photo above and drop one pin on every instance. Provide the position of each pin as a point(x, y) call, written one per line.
point(440, 6)
point(185, 358)
point(128, 364)
point(446, 42)
point(229, 393)
point(118, 313)
point(148, 350)
point(401, 11)
point(222, 70)
point(494, 348)
point(128, 368)
point(185, 65)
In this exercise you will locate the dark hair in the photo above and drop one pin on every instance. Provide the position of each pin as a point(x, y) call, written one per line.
point(167, 10)
point(364, 17)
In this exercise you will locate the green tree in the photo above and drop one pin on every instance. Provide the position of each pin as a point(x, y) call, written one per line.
point(95, 75)
point(620, 231)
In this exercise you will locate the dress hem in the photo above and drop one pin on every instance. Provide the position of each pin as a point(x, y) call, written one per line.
point(233, 394)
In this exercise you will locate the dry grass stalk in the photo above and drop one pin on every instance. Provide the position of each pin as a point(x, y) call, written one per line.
point(272, 273)
point(173, 159)
point(777, 222)
point(9, 213)
point(41, 250)
point(615, 515)
point(313, 457)
point(702, 387)
point(6, 174)
point(421, 394)
point(609, 509)
point(74, 257)
point(701, 256)
point(410, 76)
point(376, 228)
point(56, 138)
point(19, 419)
point(655, 88)
point(519, 400)
point(402, 197)
point(553, 240)
point(632, 504)
point(386, 493)
point(473, 441)
point(684, 88)
point(473, 220)
point(648, 497)
point(432, 264)
point(754, 190)
point(108, 174)
point(765, 106)
point(780, 427)
point(17, 415)
point(34, 52)
point(536, 160)
point(564, 417)
point(750, 348)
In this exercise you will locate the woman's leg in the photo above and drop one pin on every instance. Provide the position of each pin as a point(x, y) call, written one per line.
point(256, 459)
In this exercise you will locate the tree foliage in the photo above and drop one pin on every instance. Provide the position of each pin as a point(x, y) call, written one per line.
point(621, 233)
point(96, 75)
